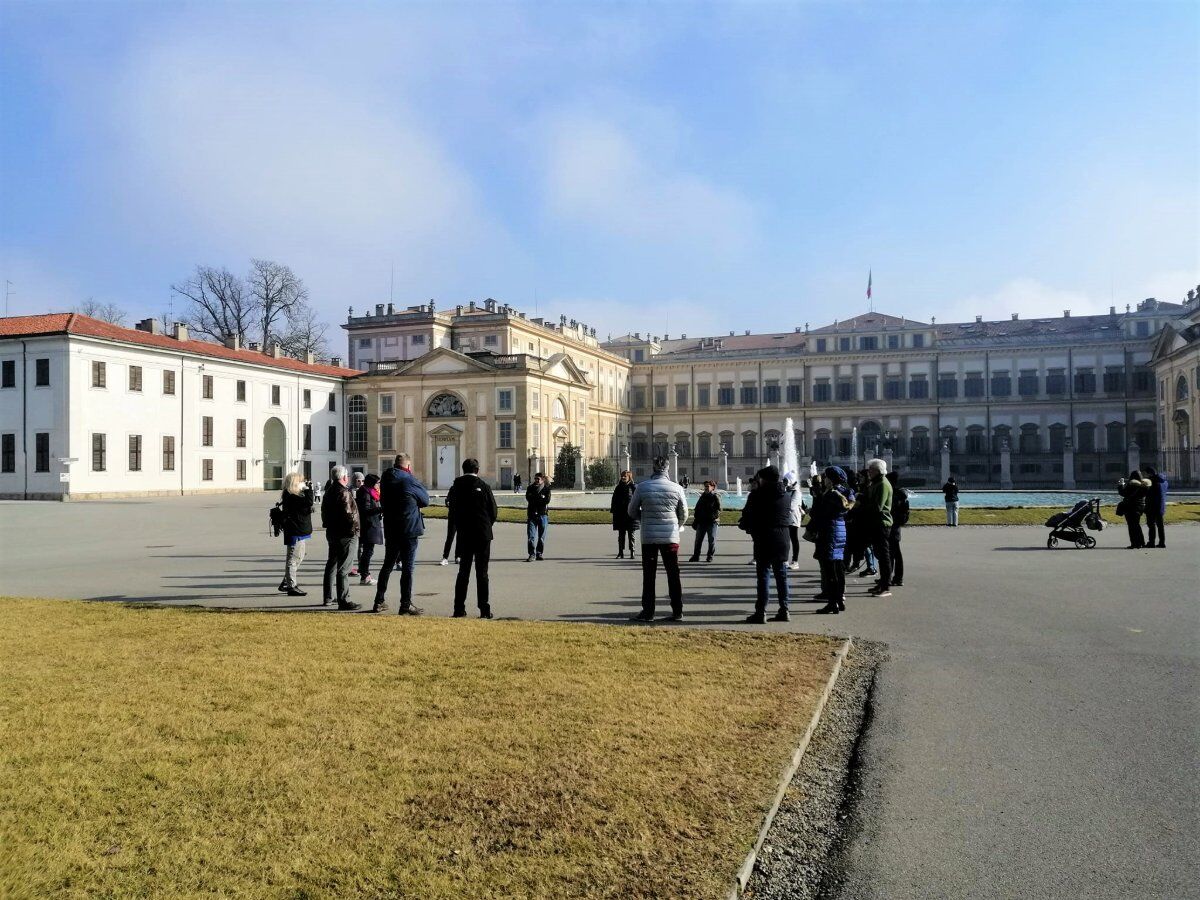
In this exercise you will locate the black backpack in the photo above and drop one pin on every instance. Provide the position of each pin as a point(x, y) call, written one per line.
point(900, 509)
point(277, 516)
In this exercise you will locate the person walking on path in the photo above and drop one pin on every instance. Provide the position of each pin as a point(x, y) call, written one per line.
point(622, 524)
point(765, 517)
point(339, 515)
point(877, 520)
point(370, 518)
point(831, 500)
point(660, 505)
point(297, 505)
point(537, 517)
point(451, 529)
point(706, 520)
point(1133, 504)
point(517, 483)
point(403, 497)
point(795, 516)
point(900, 515)
point(473, 512)
point(950, 491)
point(1156, 507)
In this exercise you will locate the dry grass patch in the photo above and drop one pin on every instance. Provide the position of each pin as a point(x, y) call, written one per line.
point(151, 752)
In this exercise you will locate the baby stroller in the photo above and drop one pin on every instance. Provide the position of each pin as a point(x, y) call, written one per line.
point(1070, 525)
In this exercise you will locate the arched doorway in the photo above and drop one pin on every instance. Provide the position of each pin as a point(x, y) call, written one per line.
point(274, 454)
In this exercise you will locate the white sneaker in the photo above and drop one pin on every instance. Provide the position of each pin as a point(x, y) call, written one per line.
point(444, 562)
point(794, 565)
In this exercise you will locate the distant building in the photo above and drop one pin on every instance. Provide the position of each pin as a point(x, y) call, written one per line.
point(1177, 370)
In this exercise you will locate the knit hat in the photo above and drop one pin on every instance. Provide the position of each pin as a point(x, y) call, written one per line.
point(836, 474)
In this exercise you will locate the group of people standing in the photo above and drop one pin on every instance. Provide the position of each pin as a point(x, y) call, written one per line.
point(1144, 493)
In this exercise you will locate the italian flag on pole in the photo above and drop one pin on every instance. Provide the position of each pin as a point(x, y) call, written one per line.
point(869, 273)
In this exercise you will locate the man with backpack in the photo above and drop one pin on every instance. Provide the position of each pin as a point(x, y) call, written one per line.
point(900, 513)
point(472, 513)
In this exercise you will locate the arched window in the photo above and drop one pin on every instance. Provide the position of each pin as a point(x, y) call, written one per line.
point(1145, 435)
point(356, 422)
point(1181, 388)
point(749, 443)
point(1001, 438)
point(1085, 441)
point(661, 444)
point(683, 443)
point(1031, 439)
point(727, 443)
point(822, 446)
point(1058, 437)
point(949, 437)
point(559, 410)
point(918, 445)
point(1114, 436)
point(976, 442)
point(446, 406)
point(704, 444)
point(638, 448)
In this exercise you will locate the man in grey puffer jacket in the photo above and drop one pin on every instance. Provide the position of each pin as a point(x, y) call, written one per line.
point(661, 506)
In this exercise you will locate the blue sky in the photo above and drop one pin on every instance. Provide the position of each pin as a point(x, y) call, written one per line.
point(671, 167)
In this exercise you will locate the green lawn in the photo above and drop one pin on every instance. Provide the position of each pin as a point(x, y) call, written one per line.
point(152, 752)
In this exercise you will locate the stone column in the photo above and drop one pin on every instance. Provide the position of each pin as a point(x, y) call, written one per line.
point(945, 461)
point(579, 485)
point(886, 456)
point(1135, 457)
point(674, 464)
point(1005, 466)
point(725, 466)
point(1069, 464)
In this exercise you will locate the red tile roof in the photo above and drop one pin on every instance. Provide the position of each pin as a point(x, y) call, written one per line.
point(85, 326)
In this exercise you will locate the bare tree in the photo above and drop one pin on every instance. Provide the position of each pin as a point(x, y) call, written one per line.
point(279, 297)
point(220, 306)
point(305, 334)
point(105, 312)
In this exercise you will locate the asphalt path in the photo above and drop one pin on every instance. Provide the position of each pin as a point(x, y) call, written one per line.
point(1036, 730)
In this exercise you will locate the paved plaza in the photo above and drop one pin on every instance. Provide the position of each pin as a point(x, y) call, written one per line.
point(1035, 729)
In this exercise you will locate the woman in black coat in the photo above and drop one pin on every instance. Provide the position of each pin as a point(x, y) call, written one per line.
point(370, 515)
point(297, 506)
point(766, 515)
point(1133, 506)
point(623, 524)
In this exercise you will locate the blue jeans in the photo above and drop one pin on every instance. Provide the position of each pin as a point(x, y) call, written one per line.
point(535, 534)
point(952, 513)
point(764, 570)
point(869, 556)
point(405, 550)
point(709, 532)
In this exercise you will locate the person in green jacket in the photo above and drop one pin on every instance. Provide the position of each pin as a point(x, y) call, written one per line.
point(877, 524)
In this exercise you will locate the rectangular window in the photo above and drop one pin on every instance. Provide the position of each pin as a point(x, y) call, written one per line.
point(275, 395)
point(206, 387)
point(169, 382)
point(241, 470)
point(660, 397)
point(1143, 329)
point(240, 436)
point(168, 450)
point(387, 404)
point(99, 377)
point(505, 440)
point(1114, 380)
point(749, 394)
point(704, 445)
point(893, 388)
point(1056, 381)
point(537, 402)
point(638, 398)
point(305, 398)
point(844, 344)
point(725, 395)
point(1143, 380)
point(1027, 383)
point(206, 470)
point(1001, 384)
point(749, 445)
point(973, 385)
point(135, 453)
point(681, 396)
point(893, 342)
point(206, 431)
point(135, 378)
point(771, 393)
point(41, 370)
point(947, 387)
point(702, 395)
point(41, 460)
point(491, 340)
point(504, 400)
point(795, 390)
point(307, 437)
point(99, 452)
point(845, 390)
point(868, 343)
point(387, 437)
point(639, 355)
point(364, 343)
point(821, 345)
point(241, 391)
point(8, 453)
point(870, 387)
point(332, 437)
point(9, 376)
point(822, 391)
point(418, 339)
point(332, 401)
point(918, 340)
point(918, 388)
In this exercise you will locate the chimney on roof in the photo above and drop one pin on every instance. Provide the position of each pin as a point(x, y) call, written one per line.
point(747, 331)
point(979, 318)
point(379, 309)
point(234, 342)
point(336, 361)
point(458, 310)
point(1014, 317)
point(731, 334)
point(683, 338)
point(1066, 314)
point(490, 304)
point(472, 306)
point(253, 345)
point(276, 350)
point(637, 335)
point(310, 357)
point(179, 331)
point(391, 309)
point(666, 337)
point(152, 326)
point(1112, 310)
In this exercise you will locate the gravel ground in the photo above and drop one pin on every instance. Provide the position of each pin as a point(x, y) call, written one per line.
point(799, 860)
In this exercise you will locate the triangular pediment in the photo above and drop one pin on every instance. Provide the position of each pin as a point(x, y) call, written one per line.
point(443, 361)
point(560, 365)
point(445, 431)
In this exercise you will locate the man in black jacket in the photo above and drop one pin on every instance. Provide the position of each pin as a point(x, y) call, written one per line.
point(537, 520)
point(339, 515)
point(472, 513)
point(766, 515)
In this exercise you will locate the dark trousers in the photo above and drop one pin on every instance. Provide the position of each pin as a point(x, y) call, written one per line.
point(706, 531)
point(479, 554)
point(896, 554)
point(764, 570)
point(833, 579)
point(1156, 526)
point(451, 530)
point(883, 555)
point(403, 549)
point(670, 558)
point(794, 534)
point(622, 534)
point(338, 562)
point(1134, 522)
point(365, 552)
point(535, 534)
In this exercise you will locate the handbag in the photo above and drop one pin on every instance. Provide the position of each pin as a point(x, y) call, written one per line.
point(1121, 508)
point(810, 535)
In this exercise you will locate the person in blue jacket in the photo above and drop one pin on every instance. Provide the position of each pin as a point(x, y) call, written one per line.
point(829, 522)
point(1156, 506)
point(402, 497)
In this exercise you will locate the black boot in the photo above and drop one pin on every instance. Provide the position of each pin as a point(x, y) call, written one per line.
point(756, 618)
point(831, 608)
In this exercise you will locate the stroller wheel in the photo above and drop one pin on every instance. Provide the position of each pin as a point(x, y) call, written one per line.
point(1051, 542)
point(1089, 542)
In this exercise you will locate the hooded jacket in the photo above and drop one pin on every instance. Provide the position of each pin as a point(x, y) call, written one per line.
point(661, 506)
point(472, 508)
